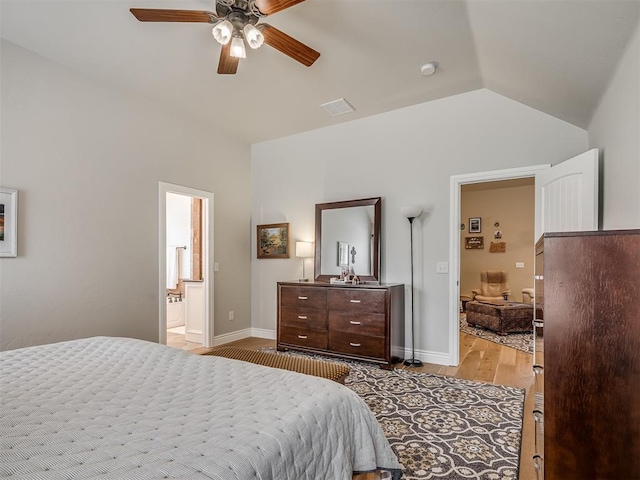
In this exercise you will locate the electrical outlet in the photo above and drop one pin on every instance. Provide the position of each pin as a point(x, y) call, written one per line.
point(442, 267)
point(519, 264)
point(231, 315)
point(216, 266)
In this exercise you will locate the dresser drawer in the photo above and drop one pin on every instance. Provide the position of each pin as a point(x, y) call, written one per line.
point(303, 317)
point(304, 297)
point(357, 300)
point(304, 337)
point(353, 344)
point(358, 323)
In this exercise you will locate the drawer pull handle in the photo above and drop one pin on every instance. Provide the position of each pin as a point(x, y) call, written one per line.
point(355, 323)
point(537, 369)
point(302, 317)
point(538, 323)
point(538, 416)
point(303, 337)
point(538, 277)
point(538, 464)
point(302, 298)
point(354, 344)
point(354, 301)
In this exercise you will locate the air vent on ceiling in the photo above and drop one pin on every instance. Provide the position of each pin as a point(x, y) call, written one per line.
point(338, 107)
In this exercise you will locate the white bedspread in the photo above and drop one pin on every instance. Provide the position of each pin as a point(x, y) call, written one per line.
point(115, 408)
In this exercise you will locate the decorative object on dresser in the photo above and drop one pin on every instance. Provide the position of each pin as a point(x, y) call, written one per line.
point(356, 224)
point(412, 213)
point(363, 322)
point(273, 240)
point(304, 250)
point(587, 355)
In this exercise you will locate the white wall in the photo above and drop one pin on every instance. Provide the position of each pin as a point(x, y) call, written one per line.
point(87, 161)
point(405, 156)
point(615, 129)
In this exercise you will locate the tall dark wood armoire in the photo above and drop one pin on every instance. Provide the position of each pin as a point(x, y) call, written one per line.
point(587, 355)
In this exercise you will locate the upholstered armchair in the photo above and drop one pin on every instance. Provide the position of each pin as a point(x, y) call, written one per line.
point(527, 295)
point(493, 286)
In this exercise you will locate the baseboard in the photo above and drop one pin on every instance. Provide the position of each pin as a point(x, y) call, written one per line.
point(426, 356)
point(263, 333)
point(231, 337)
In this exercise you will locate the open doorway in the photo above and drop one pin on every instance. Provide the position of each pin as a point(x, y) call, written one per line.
point(497, 243)
point(185, 280)
point(487, 231)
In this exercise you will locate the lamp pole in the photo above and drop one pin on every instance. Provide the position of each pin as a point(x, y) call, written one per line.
point(412, 362)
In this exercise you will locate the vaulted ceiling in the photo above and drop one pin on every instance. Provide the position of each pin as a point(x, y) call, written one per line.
point(555, 56)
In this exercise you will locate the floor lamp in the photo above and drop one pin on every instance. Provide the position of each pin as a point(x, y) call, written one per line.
point(411, 213)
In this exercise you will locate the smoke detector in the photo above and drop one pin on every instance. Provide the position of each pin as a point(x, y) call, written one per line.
point(429, 68)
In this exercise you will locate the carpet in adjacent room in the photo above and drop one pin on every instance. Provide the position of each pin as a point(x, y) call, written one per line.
point(519, 341)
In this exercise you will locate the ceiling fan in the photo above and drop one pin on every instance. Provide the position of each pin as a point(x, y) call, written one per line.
point(236, 22)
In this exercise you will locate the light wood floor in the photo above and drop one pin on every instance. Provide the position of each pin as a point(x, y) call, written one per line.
point(481, 361)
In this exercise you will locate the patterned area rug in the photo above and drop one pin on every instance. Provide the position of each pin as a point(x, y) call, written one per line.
point(442, 427)
point(519, 341)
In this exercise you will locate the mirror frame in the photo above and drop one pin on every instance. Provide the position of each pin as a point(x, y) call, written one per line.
point(377, 214)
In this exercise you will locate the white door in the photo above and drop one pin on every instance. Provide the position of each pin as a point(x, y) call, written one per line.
point(567, 195)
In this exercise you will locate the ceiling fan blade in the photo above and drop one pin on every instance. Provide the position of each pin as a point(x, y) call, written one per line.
point(269, 7)
point(227, 65)
point(288, 45)
point(159, 15)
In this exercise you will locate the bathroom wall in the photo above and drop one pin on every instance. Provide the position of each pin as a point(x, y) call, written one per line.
point(179, 230)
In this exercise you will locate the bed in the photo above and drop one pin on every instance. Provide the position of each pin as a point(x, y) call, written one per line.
point(117, 408)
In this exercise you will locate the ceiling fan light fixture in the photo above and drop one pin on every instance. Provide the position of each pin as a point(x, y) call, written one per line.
point(237, 46)
point(253, 36)
point(222, 32)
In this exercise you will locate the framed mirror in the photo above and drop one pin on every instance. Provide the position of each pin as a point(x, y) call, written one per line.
point(348, 235)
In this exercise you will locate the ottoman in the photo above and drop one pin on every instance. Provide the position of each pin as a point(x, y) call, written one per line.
point(502, 318)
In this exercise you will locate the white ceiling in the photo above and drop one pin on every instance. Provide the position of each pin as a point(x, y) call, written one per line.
point(556, 56)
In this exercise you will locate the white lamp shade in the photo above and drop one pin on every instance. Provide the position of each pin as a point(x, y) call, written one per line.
point(304, 249)
point(222, 32)
point(253, 36)
point(412, 211)
point(237, 47)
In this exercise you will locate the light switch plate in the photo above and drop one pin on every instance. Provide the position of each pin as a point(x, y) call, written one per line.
point(442, 267)
point(519, 264)
point(216, 266)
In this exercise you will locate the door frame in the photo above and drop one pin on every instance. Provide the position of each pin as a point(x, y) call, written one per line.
point(207, 257)
point(455, 186)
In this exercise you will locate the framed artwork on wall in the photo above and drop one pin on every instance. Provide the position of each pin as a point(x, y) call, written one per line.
point(474, 243)
point(273, 240)
point(475, 225)
point(8, 222)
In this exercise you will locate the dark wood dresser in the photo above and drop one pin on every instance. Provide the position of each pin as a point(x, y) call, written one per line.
point(363, 322)
point(587, 355)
